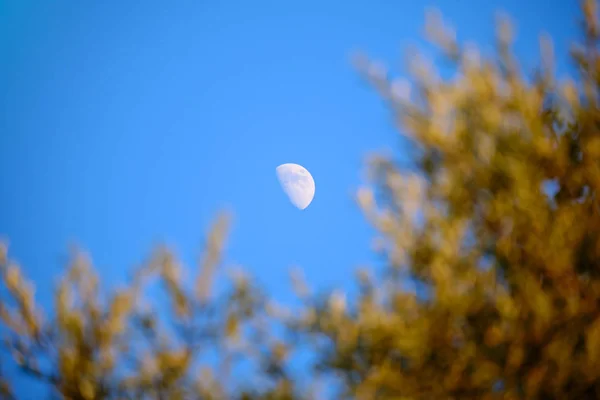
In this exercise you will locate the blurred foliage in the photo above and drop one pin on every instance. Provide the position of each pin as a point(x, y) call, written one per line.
point(496, 226)
point(123, 346)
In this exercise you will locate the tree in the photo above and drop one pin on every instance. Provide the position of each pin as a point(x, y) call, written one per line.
point(121, 346)
point(497, 224)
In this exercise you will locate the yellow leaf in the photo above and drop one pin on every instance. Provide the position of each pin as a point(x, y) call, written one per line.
point(592, 340)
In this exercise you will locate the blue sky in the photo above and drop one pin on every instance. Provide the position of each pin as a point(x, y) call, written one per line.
point(124, 124)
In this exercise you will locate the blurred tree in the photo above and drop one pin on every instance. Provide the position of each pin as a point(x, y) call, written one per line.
point(506, 271)
point(124, 347)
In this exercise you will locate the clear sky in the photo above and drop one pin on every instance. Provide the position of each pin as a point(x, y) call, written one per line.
point(128, 123)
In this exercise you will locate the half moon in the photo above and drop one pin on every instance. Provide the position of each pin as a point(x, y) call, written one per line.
point(297, 183)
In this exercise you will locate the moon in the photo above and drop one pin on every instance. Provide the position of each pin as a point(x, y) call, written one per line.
point(297, 183)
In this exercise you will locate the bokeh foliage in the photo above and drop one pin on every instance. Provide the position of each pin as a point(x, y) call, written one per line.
point(496, 225)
